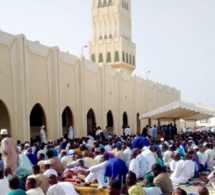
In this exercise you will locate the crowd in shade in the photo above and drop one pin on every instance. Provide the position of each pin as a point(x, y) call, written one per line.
point(154, 162)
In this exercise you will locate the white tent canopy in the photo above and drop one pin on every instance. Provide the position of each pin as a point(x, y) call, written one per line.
point(180, 110)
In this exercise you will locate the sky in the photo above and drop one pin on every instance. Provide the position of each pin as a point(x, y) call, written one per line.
point(175, 40)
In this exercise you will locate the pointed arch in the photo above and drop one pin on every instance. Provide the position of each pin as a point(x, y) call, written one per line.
point(100, 57)
point(37, 119)
point(93, 58)
point(67, 119)
point(110, 3)
point(91, 121)
point(127, 58)
point(138, 123)
point(130, 59)
point(116, 56)
point(110, 121)
point(99, 3)
point(125, 118)
point(123, 56)
point(105, 3)
point(134, 60)
point(4, 116)
point(108, 59)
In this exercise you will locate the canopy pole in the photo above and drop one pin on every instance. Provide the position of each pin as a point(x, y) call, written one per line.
point(149, 122)
point(159, 123)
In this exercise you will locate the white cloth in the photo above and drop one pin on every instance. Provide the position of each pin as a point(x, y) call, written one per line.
point(172, 165)
point(150, 131)
point(43, 135)
point(49, 172)
point(149, 158)
point(167, 157)
point(127, 131)
point(56, 190)
point(152, 191)
point(211, 178)
point(202, 158)
point(181, 173)
point(68, 188)
point(97, 173)
point(209, 156)
point(35, 191)
point(191, 164)
point(134, 167)
point(4, 186)
point(98, 158)
point(108, 148)
point(70, 133)
point(98, 132)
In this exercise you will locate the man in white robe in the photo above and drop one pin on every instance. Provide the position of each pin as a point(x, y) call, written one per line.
point(181, 173)
point(9, 151)
point(70, 132)
point(209, 156)
point(190, 164)
point(60, 188)
point(149, 157)
point(43, 134)
point(97, 173)
point(134, 165)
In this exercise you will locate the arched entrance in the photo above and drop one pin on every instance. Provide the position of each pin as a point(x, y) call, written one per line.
point(91, 121)
point(110, 121)
point(138, 123)
point(37, 119)
point(67, 119)
point(124, 119)
point(4, 117)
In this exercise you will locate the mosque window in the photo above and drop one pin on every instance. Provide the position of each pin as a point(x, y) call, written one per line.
point(100, 57)
point(100, 3)
point(110, 2)
point(93, 58)
point(127, 58)
point(133, 60)
point(100, 37)
point(108, 57)
point(110, 36)
point(105, 3)
point(116, 57)
point(123, 56)
point(130, 59)
point(105, 37)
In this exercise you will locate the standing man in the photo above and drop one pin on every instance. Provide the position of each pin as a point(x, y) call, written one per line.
point(43, 134)
point(9, 151)
point(70, 132)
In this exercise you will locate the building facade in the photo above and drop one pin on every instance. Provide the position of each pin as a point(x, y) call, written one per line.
point(42, 85)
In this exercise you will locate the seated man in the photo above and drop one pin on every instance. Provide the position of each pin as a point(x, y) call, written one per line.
point(181, 174)
point(162, 180)
point(31, 188)
point(116, 168)
point(134, 188)
point(97, 173)
point(14, 186)
point(114, 187)
point(60, 188)
point(41, 180)
point(149, 187)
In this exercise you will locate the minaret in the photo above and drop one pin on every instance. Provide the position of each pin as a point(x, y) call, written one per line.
point(111, 34)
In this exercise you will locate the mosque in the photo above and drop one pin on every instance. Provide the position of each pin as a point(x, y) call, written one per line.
point(42, 85)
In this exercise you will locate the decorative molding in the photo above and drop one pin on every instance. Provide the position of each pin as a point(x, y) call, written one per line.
point(37, 48)
point(68, 58)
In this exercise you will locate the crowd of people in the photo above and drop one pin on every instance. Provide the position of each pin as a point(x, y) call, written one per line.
point(148, 164)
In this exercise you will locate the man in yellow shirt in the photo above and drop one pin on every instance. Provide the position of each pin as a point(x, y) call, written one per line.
point(134, 188)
